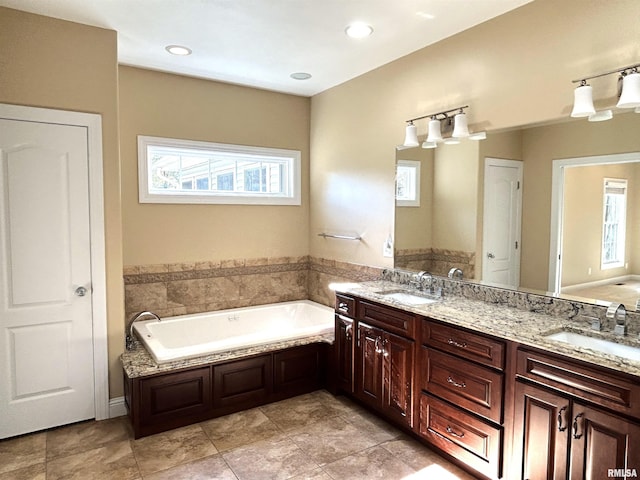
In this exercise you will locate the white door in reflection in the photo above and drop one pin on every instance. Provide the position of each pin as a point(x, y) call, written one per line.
point(46, 331)
point(501, 222)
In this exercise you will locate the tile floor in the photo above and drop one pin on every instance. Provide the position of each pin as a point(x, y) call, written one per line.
point(315, 436)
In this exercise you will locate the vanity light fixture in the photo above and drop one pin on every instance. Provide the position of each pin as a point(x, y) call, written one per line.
point(629, 96)
point(456, 124)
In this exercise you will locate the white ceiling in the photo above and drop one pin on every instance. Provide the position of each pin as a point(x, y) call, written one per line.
point(259, 43)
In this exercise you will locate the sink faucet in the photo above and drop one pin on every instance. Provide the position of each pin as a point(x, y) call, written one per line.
point(619, 314)
point(422, 279)
point(129, 339)
point(455, 273)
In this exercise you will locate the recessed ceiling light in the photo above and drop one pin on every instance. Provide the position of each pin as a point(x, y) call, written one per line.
point(178, 50)
point(300, 76)
point(358, 30)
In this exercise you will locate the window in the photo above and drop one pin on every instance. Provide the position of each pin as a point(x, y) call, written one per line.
point(184, 171)
point(614, 223)
point(408, 183)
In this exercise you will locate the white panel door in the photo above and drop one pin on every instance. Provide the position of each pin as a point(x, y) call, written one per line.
point(501, 224)
point(46, 338)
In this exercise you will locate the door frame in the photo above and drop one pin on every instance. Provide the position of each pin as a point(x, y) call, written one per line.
point(519, 165)
point(93, 124)
point(557, 206)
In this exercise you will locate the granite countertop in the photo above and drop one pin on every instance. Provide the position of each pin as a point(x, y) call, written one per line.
point(138, 362)
point(521, 326)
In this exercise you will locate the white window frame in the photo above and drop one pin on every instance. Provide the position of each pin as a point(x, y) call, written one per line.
point(147, 195)
point(621, 184)
point(411, 180)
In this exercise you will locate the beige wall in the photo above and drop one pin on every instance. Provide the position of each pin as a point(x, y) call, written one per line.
point(56, 64)
point(165, 105)
point(582, 222)
point(513, 70)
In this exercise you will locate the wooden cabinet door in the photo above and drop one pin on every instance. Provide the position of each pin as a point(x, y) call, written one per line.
point(601, 442)
point(397, 377)
point(542, 432)
point(344, 353)
point(369, 372)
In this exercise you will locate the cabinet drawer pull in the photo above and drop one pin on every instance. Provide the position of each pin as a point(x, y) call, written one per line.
point(348, 332)
point(454, 433)
point(560, 427)
point(455, 343)
point(577, 435)
point(456, 384)
point(343, 307)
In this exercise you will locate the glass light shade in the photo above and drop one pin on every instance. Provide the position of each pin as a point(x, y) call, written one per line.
point(601, 116)
point(583, 101)
point(478, 136)
point(435, 134)
point(426, 144)
point(451, 141)
point(460, 127)
point(411, 136)
point(630, 97)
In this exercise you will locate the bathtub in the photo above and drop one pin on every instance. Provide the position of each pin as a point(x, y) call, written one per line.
point(188, 336)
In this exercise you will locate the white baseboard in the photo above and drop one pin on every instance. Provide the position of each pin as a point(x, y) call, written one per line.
point(117, 407)
point(598, 283)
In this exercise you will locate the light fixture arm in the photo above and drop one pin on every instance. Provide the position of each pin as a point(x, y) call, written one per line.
point(617, 70)
point(445, 114)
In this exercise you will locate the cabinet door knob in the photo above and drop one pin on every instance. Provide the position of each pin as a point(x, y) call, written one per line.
point(348, 332)
point(577, 435)
point(560, 427)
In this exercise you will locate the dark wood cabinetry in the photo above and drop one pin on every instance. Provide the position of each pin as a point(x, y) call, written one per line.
point(562, 436)
point(343, 354)
point(161, 402)
point(462, 395)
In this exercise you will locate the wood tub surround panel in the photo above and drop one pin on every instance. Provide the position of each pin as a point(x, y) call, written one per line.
point(161, 402)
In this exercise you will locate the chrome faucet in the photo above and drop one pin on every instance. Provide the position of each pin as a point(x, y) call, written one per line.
point(619, 314)
point(129, 338)
point(422, 278)
point(455, 273)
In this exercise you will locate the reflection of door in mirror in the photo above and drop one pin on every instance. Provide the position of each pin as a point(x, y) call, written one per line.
point(597, 228)
point(502, 219)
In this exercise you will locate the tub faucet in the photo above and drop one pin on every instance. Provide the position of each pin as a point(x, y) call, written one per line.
point(129, 338)
point(619, 314)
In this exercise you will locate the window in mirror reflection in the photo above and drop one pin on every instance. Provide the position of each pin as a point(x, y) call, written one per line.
point(614, 222)
point(408, 183)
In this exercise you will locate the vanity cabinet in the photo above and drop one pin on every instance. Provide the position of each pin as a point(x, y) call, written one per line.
point(462, 384)
point(573, 421)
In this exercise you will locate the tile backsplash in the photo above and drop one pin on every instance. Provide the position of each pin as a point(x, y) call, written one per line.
point(183, 288)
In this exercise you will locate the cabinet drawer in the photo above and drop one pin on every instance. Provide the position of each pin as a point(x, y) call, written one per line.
point(463, 383)
point(598, 386)
point(390, 319)
point(345, 305)
point(470, 346)
point(470, 440)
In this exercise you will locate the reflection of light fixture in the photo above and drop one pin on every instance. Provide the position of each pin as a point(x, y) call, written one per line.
point(629, 94)
point(411, 135)
point(457, 123)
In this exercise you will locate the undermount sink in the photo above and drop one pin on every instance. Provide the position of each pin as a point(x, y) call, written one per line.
point(597, 344)
point(408, 298)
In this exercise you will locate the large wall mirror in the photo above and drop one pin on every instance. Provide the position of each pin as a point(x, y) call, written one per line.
point(592, 230)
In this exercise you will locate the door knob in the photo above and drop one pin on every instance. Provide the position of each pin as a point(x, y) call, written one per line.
point(490, 255)
point(80, 291)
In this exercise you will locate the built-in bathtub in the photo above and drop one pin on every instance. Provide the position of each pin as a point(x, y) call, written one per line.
point(188, 336)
